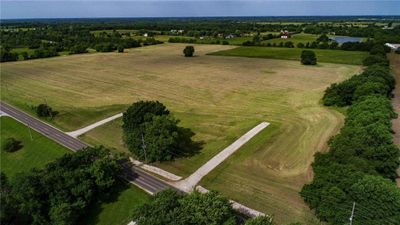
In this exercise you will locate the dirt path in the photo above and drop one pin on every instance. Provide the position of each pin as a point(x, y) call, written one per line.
point(395, 63)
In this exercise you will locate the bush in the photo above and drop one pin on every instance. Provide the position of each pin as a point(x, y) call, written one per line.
point(188, 51)
point(308, 57)
point(11, 145)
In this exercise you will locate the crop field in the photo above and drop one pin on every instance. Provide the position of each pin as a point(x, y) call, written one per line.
point(323, 55)
point(219, 98)
point(35, 153)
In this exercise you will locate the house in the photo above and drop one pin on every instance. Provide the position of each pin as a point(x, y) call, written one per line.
point(285, 34)
point(229, 36)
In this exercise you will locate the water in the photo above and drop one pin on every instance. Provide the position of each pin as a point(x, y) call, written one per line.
point(343, 39)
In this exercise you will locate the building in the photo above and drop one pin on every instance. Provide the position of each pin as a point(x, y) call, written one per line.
point(229, 36)
point(285, 34)
point(392, 46)
point(145, 35)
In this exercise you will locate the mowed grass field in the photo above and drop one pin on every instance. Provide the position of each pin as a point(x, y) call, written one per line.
point(323, 55)
point(219, 98)
point(35, 153)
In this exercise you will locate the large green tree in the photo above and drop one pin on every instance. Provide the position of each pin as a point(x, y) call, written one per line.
point(152, 134)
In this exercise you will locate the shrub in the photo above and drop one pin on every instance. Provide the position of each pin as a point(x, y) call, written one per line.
point(11, 145)
point(188, 51)
point(43, 110)
point(308, 57)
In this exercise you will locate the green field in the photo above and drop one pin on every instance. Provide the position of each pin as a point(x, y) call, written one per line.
point(118, 208)
point(328, 56)
point(297, 38)
point(219, 98)
point(35, 153)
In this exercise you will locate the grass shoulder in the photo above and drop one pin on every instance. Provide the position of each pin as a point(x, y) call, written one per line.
point(34, 153)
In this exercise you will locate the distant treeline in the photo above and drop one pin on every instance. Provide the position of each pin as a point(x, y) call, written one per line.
point(50, 40)
point(361, 164)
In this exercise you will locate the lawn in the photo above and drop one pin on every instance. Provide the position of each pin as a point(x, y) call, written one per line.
point(297, 38)
point(35, 153)
point(323, 55)
point(219, 98)
point(118, 208)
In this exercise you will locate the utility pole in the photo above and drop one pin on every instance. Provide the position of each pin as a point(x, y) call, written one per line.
point(48, 109)
point(144, 148)
point(352, 213)
point(30, 132)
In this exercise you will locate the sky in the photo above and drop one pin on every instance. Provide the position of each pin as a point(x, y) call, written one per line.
point(18, 9)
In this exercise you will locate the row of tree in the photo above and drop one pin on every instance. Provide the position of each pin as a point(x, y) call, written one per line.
point(49, 41)
point(171, 207)
point(359, 169)
point(61, 192)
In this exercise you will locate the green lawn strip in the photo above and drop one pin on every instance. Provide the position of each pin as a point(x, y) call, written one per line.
point(35, 153)
point(328, 56)
point(117, 208)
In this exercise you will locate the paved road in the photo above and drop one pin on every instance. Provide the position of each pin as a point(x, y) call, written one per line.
point(133, 174)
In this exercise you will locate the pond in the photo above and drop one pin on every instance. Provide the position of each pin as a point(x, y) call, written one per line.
point(343, 39)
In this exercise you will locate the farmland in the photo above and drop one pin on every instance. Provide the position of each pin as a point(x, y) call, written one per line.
point(35, 153)
point(328, 56)
point(219, 98)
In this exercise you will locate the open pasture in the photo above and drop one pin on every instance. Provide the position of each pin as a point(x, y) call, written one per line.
point(219, 98)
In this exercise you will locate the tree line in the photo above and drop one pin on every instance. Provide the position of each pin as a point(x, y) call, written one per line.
point(171, 207)
point(48, 41)
point(361, 164)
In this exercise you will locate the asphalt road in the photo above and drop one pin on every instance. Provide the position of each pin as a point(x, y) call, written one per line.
point(133, 174)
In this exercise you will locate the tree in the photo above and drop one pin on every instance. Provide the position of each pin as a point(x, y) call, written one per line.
point(370, 88)
point(11, 145)
point(308, 57)
point(6, 55)
point(378, 200)
point(151, 134)
point(375, 59)
point(188, 51)
point(259, 220)
point(170, 207)
point(43, 110)
point(120, 48)
point(62, 192)
point(323, 38)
